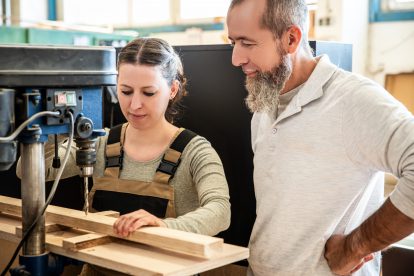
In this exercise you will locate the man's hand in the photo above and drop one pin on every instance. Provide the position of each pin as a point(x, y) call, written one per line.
point(347, 254)
point(130, 222)
point(341, 258)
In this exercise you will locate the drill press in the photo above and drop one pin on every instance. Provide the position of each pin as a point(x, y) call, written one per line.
point(41, 88)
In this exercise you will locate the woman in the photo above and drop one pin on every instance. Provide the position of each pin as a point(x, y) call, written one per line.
point(152, 172)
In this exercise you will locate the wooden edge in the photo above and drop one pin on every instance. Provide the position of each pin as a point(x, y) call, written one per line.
point(12, 211)
point(49, 228)
point(53, 227)
point(7, 229)
point(85, 241)
point(10, 215)
point(113, 214)
point(193, 244)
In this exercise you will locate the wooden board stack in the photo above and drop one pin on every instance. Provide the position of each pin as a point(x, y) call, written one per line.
point(147, 251)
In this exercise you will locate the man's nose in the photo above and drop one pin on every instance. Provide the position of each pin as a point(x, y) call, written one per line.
point(238, 58)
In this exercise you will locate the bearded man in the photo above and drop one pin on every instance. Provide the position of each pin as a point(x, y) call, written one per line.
point(322, 139)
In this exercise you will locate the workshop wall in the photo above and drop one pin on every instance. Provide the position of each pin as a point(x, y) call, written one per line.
point(344, 21)
point(391, 49)
point(379, 48)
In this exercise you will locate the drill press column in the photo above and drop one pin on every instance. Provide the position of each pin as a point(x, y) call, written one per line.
point(33, 196)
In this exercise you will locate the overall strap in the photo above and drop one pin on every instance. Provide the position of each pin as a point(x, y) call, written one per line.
point(114, 146)
point(172, 157)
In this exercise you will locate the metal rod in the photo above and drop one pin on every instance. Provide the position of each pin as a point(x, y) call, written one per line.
point(33, 196)
point(5, 12)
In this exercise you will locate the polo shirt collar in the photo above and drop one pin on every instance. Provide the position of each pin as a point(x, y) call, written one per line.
point(312, 88)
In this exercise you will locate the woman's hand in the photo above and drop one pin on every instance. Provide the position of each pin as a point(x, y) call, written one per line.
point(128, 223)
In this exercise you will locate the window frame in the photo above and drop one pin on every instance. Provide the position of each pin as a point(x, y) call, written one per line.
point(202, 20)
point(377, 14)
point(168, 21)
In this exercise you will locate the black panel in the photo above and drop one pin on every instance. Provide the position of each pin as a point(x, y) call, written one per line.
point(215, 109)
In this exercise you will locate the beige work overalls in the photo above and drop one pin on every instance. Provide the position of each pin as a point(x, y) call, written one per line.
point(110, 185)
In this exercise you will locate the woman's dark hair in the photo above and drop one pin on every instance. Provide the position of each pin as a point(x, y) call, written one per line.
point(157, 52)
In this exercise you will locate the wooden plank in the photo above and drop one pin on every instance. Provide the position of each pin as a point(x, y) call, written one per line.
point(86, 241)
point(13, 206)
point(8, 226)
point(90, 239)
point(109, 213)
point(6, 252)
point(139, 259)
point(49, 227)
point(169, 239)
point(16, 211)
point(53, 227)
point(133, 258)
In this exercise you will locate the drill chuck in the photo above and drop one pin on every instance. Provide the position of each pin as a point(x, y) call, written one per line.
point(86, 156)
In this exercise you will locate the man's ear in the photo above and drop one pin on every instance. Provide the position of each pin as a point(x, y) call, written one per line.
point(292, 38)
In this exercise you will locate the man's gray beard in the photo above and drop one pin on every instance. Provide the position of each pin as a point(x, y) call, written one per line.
point(264, 88)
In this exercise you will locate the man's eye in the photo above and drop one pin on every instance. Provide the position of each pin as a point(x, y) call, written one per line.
point(232, 43)
point(246, 44)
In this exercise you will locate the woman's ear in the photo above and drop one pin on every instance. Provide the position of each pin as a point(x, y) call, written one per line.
point(175, 86)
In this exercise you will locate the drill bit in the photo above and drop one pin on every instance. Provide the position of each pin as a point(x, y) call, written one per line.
point(86, 195)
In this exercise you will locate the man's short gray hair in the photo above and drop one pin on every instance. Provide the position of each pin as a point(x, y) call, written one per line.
point(279, 15)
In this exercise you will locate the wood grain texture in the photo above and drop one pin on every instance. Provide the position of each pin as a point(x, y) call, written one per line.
point(109, 213)
point(169, 239)
point(86, 241)
point(129, 257)
point(49, 227)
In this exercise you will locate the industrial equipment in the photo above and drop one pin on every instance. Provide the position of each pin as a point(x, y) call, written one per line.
point(49, 90)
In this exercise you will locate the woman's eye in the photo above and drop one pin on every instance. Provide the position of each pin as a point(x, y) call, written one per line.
point(126, 92)
point(149, 94)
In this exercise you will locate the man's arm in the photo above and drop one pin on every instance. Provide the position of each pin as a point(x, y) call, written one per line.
point(346, 254)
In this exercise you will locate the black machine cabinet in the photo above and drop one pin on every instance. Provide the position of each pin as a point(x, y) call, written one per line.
point(214, 109)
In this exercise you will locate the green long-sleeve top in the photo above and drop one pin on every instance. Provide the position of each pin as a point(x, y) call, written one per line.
point(200, 187)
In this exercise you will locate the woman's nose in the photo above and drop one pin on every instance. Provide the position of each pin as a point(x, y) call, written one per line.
point(136, 101)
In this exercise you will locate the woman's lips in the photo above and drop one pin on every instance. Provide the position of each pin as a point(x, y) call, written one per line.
point(137, 115)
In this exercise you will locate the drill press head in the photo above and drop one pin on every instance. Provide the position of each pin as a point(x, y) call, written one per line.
point(54, 78)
